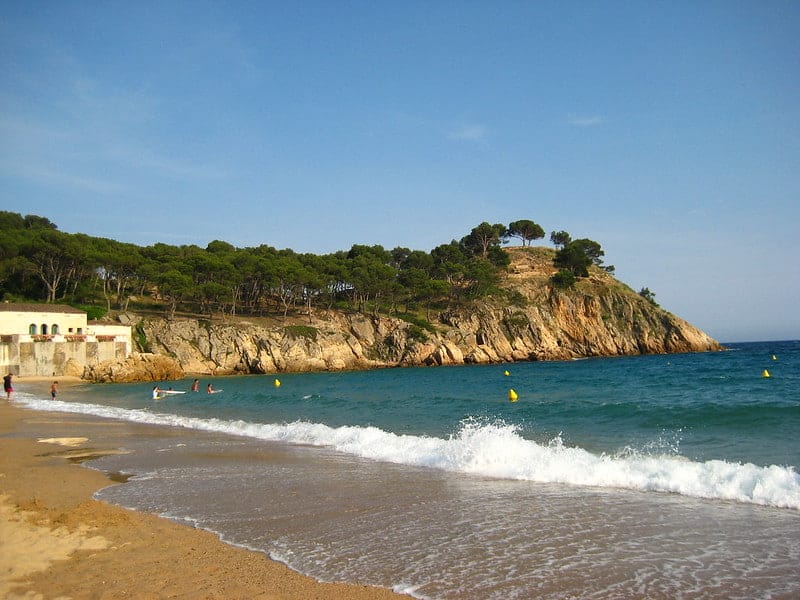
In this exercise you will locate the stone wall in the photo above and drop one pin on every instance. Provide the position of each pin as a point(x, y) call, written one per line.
point(55, 357)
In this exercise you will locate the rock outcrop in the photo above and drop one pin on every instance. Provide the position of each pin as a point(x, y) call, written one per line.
point(137, 367)
point(532, 321)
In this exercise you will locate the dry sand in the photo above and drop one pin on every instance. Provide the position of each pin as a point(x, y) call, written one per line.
point(56, 542)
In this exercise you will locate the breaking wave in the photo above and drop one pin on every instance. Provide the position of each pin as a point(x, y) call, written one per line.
point(496, 449)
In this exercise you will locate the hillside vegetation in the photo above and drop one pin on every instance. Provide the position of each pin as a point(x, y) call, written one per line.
point(42, 264)
point(223, 309)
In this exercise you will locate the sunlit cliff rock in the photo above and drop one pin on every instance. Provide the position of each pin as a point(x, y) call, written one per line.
point(529, 320)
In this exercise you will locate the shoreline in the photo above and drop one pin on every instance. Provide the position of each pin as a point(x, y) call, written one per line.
point(58, 541)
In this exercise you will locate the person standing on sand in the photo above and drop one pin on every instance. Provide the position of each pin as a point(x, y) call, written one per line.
point(54, 390)
point(7, 386)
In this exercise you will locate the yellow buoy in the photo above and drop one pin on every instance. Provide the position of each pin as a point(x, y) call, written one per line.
point(512, 396)
point(774, 357)
point(765, 373)
point(277, 383)
point(506, 373)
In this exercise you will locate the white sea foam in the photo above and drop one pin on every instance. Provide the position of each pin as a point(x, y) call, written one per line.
point(498, 450)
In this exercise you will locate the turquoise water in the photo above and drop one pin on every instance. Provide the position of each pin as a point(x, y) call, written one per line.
point(659, 476)
point(699, 406)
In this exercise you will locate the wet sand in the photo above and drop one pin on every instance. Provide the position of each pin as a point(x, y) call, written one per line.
point(58, 542)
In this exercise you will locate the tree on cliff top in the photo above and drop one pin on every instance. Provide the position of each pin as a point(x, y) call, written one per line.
point(10, 220)
point(37, 261)
point(526, 230)
point(483, 237)
point(560, 238)
point(578, 255)
point(648, 295)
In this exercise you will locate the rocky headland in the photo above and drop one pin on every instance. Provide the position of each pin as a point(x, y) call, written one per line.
point(529, 320)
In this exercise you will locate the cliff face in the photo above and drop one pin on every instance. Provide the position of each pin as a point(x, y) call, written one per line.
point(599, 317)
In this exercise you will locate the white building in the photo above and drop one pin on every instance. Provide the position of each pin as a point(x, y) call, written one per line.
point(41, 320)
point(52, 339)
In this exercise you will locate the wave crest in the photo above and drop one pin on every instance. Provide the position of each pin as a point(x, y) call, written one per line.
point(496, 449)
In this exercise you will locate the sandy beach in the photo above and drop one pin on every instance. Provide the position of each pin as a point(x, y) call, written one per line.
point(57, 542)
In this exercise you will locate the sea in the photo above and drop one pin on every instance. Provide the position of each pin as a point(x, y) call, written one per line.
point(663, 476)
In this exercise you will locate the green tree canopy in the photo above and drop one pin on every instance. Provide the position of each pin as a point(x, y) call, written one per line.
point(648, 295)
point(560, 238)
point(526, 230)
point(39, 262)
point(56, 258)
point(578, 255)
point(483, 237)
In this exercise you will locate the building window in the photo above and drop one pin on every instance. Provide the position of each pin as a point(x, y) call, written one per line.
point(54, 329)
point(80, 330)
point(32, 329)
point(44, 328)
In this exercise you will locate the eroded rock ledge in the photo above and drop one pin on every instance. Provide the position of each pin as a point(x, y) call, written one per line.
point(598, 317)
point(566, 328)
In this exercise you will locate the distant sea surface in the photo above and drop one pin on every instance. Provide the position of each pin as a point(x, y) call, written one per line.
point(669, 476)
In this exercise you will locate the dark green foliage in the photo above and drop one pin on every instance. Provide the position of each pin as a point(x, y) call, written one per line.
point(571, 258)
point(10, 221)
point(578, 255)
point(482, 238)
point(517, 321)
point(482, 278)
point(220, 247)
point(42, 264)
point(141, 339)
point(560, 238)
point(417, 322)
point(526, 230)
point(302, 331)
point(516, 298)
point(34, 222)
point(563, 279)
point(648, 295)
point(498, 257)
point(417, 334)
point(93, 313)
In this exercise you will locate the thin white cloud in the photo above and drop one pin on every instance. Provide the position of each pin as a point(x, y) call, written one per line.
point(586, 121)
point(72, 157)
point(139, 157)
point(39, 152)
point(53, 176)
point(470, 133)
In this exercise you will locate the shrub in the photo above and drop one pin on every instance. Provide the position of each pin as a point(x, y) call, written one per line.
point(417, 321)
point(416, 334)
point(517, 298)
point(93, 313)
point(648, 295)
point(304, 331)
point(141, 339)
point(518, 320)
point(563, 279)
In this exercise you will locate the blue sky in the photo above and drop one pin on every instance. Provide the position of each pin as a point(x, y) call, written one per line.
point(669, 132)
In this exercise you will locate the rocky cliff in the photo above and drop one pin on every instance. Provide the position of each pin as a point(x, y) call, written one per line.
point(529, 320)
point(137, 367)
